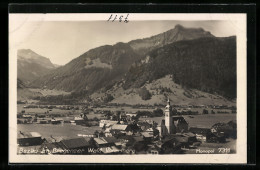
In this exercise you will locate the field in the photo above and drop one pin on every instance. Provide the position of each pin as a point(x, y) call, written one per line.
point(203, 121)
point(47, 92)
point(62, 131)
point(77, 112)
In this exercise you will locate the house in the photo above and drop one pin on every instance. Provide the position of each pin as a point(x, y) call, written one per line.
point(216, 138)
point(108, 133)
point(108, 145)
point(223, 128)
point(181, 139)
point(27, 116)
point(202, 134)
point(56, 121)
point(153, 150)
point(153, 131)
point(144, 125)
point(126, 140)
point(79, 120)
point(191, 137)
point(77, 145)
point(121, 128)
point(148, 136)
point(110, 150)
point(29, 138)
point(130, 116)
point(105, 141)
point(169, 145)
point(51, 148)
point(102, 123)
point(139, 144)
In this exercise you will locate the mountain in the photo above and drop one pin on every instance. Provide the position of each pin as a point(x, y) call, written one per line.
point(178, 33)
point(23, 93)
point(102, 67)
point(31, 65)
point(56, 65)
point(207, 64)
point(97, 68)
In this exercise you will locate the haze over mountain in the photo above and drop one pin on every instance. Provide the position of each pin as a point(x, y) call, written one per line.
point(195, 58)
point(31, 65)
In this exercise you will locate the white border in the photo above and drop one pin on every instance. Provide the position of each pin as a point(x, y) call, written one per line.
point(239, 157)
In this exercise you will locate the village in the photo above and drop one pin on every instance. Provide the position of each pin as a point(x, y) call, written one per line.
point(129, 133)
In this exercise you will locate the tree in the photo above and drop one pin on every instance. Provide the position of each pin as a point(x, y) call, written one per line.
point(144, 94)
point(108, 98)
point(118, 113)
point(205, 111)
point(85, 117)
point(158, 113)
point(95, 119)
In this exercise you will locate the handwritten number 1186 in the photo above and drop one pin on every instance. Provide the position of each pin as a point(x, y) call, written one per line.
point(120, 18)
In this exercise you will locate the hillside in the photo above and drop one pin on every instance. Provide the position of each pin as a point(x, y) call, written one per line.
point(24, 93)
point(160, 90)
point(206, 64)
point(95, 69)
point(31, 65)
point(103, 66)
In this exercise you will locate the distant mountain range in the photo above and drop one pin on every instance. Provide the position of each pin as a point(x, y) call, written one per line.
point(194, 57)
point(31, 65)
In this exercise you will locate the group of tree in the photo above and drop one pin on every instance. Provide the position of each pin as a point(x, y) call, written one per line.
point(144, 93)
point(108, 98)
point(154, 113)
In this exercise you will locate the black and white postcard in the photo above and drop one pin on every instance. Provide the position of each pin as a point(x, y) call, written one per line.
point(127, 88)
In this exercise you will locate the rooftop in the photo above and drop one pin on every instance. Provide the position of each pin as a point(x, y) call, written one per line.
point(75, 143)
point(119, 127)
point(104, 140)
point(28, 135)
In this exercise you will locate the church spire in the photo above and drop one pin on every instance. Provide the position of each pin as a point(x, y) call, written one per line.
point(168, 106)
point(168, 117)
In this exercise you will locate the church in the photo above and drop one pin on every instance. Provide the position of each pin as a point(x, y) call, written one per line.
point(171, 124)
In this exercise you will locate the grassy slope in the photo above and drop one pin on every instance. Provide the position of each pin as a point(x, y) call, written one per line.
point(177, 96)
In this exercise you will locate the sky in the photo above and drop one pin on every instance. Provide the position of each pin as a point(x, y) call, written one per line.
point(62, 41)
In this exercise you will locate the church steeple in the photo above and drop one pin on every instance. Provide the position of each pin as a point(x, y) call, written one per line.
point(168, 116)
point(168, 106)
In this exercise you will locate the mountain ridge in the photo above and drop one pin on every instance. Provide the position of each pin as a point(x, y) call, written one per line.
point(178, 33)
point(31, 65)
point(194, 64)
point(102, 67)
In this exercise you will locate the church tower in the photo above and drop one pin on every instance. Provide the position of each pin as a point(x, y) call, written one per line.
point(168, 117)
